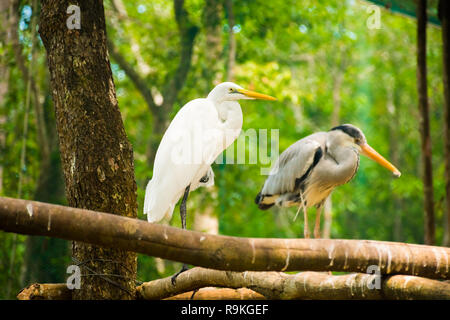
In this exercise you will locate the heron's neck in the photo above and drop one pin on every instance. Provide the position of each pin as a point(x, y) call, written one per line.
point(347, 161)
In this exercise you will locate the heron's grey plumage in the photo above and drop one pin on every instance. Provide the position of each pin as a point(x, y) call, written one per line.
point(306, 173)
point(310, 169)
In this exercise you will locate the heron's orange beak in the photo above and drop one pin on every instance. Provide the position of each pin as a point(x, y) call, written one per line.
point(255, 95)
point(370, 152)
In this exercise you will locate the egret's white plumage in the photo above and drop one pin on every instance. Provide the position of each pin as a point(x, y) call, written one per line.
point(200, 131)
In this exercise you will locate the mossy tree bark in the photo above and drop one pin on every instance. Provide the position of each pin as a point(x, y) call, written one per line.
point(97, 158)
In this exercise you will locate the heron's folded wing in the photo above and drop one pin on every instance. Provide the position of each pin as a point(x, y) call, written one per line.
point(292, 166)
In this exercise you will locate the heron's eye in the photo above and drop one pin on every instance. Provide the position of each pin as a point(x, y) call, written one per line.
point(231, 90)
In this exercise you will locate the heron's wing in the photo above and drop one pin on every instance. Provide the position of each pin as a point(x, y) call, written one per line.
point(292, 167)
point(187, 149)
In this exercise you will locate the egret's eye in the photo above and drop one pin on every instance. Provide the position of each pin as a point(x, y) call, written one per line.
point(231, 90)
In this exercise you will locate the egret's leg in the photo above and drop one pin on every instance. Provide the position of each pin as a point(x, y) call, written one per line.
point(183, 207)
point(317, 226)
point(183, 225)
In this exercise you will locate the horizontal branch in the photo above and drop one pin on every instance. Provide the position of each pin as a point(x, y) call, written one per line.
point(221, 252)
point(46, 291)
point(59, 291)
point(304, 285)
point(209, 293)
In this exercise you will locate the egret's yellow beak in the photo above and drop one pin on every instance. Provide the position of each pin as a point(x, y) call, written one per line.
point(368, 151)
point(255, 95)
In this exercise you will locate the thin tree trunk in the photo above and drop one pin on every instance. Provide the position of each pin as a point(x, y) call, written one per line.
point(232, 41)
point(395, 156)
point(97, 158)
point(213, 32)
point(427, 170)
point(335, 121)
point(444, 12)
point(4, 78)
point(44, 257)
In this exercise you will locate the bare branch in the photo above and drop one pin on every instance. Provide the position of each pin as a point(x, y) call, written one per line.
point(138, 81)
point(188, 31)
point(46, 291)
point(304, 285)
point(221, 252)
point(219, 294)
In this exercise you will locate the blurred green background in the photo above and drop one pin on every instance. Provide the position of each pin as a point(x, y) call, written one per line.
point(323, 62)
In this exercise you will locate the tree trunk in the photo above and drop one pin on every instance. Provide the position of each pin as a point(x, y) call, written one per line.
point(97, 158)
point(444, 12)
point(212, 22)
point(232, 41)
point(394, 155)
point(335, 121)
point(4, 78)
point(46, 258)
point(427, 170)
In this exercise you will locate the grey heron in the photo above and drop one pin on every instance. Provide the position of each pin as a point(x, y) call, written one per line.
point(306, 173)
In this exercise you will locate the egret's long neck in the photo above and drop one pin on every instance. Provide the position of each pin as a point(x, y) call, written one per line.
point(347, 162)
point(230, 113)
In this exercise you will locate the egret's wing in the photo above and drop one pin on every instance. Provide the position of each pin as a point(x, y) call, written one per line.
point(189, 146)
point(291, 167)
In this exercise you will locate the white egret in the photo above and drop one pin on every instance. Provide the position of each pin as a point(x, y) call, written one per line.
point(199, 132)
point(306, 173)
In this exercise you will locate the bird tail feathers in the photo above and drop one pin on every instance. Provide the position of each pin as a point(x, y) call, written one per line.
point(156, 210)
point(264, 202)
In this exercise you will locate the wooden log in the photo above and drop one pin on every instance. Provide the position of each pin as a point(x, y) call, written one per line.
point(46, 291)
point(219, 294)
point(304, 285)
point(221, 252)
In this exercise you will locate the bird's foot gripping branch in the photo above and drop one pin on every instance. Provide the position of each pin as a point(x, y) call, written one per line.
point(224, 252)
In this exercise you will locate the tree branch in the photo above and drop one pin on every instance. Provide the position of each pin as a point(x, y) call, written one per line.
point(221, 252)
point(188, 31)
point(46, 291)
point(138, 81)
point(209, 293)
point(269, 285)
point(59, 291)
point(28, 76)
point(304, 285)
